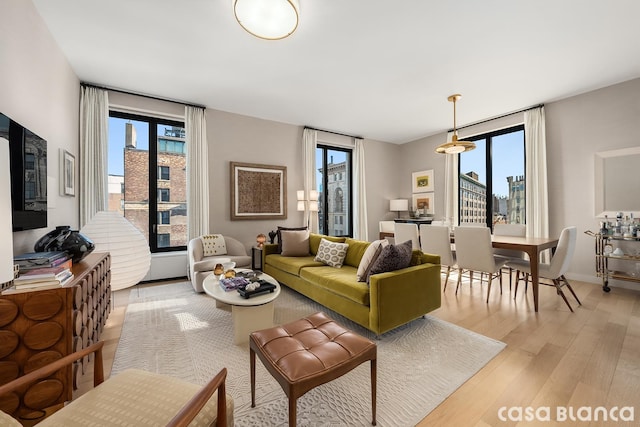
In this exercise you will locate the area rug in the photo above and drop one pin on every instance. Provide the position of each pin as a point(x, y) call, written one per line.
point(172, 330)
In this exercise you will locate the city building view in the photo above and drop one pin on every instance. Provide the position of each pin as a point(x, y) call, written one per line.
point(509, 209)
point(129, 193)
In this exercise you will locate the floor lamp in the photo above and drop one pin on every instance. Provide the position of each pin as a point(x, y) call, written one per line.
point(309, 204)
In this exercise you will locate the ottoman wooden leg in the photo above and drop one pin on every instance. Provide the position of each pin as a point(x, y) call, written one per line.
point(293, 405)
point(252, 364)
point(374, 375)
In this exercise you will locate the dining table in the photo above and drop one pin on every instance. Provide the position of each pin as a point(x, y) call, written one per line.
point(532, 246)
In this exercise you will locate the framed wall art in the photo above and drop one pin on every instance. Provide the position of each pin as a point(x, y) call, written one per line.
point(68, 173)
point(423, 202)
point(258, 191)
point(422, 182)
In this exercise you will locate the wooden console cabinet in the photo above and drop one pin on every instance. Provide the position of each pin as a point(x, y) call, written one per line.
point(41, 326)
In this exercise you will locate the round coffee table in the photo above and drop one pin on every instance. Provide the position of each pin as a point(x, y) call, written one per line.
point(250, 314)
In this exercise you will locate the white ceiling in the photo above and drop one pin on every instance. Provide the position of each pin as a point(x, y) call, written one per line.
point(380, 69)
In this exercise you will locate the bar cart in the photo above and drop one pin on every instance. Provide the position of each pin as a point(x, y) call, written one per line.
point(617, 257)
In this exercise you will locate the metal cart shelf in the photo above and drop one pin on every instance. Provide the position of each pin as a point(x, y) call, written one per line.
point(604, 259)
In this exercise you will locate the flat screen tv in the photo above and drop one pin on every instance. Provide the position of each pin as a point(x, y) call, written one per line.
point(28, 166)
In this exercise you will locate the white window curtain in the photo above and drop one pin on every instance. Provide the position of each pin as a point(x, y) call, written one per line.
point(451, 179)
point(360, 225)
point(310, 141)
point(197, 172)
point(94, 125)
point(537, 210)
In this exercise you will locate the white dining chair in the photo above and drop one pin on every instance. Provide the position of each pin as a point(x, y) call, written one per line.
point(515, 230)
point(406, 231)
point(436, 239)
point(555, 269)
point(474, 252)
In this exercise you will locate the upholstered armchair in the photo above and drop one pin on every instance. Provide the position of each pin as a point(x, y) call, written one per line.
point(200, 264)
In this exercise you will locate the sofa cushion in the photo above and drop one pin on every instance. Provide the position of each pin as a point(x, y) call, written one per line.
point(295, 243)
point(291, 265)
point(213, 245)
point(356, 250)
point(331, 253)
point(279, 234)
point(341, 281)
point(314, 241)
point(392, 257)
point(369, 257)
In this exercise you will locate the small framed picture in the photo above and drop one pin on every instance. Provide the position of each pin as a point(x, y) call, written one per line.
point(422, 181)
point(423, 202)
point(68, 172)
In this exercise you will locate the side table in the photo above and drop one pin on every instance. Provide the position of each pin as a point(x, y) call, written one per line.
point(256, 258)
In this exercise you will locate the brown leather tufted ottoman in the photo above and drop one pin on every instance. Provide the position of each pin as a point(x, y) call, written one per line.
point(307, 353)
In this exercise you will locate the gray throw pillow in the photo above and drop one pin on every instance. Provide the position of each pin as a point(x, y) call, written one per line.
point(391, 258)
point(295, 243)
point(331, 253)
point(279, 234)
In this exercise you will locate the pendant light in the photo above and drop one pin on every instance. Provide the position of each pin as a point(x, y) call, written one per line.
point(455, 146)
point(267, 19)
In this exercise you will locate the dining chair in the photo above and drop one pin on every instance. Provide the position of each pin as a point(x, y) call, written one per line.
point(474, 252)
point(516, 230)
point(555, 269)
point(436, 239)
point(406, 231)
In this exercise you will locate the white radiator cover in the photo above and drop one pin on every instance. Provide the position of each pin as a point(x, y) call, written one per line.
point(167, 265)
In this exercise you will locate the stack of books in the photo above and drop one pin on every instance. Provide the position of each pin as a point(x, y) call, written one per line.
point(33, 260)
point(47, 272)
point(233, 283)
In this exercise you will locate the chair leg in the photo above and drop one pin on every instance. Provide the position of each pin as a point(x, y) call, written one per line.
point(566, 282)
point(446, 279)
point(459, 280)
point(471, 278)
point(489, 288)
point(500, 273)
point(558, 286)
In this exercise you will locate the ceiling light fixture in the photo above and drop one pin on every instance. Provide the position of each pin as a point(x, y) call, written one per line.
point(455, 146)
point(267, 19)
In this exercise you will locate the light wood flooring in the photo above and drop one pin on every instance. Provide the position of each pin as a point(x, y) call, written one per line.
point(554, 358)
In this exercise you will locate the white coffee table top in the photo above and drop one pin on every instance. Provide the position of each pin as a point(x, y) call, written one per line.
point(212, 288)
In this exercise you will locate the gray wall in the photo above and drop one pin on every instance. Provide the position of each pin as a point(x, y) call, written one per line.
point(41, 91)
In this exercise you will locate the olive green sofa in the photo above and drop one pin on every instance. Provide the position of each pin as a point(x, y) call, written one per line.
point(389, 300)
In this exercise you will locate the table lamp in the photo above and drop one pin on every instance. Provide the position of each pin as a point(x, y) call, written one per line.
point(398, 205)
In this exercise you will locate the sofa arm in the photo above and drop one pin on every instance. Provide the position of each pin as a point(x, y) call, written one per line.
point(397, 297)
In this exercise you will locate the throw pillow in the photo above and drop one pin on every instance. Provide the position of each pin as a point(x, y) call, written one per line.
point(279, 236)
point(392, 257)
point(213, 244)
point(370, 255)
point(295, 243)
point(314, 241)
point(331, 253)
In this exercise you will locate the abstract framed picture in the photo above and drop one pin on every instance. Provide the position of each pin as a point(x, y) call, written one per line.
point(68, 172)
point(258, 191)
point(422, 181)
point(423, 202)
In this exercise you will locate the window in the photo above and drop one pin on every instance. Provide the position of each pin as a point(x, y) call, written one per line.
point(496, 168)
point(163, 172)
point(334, 180)
point(164, 217)
point(164, 195)
point(147, 166)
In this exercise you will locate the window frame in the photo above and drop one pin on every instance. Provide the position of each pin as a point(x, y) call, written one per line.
point(324, 199)
point(488, 137)
point(154, 171)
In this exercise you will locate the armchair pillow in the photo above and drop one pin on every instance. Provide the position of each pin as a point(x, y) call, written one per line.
point(331, 253)
point(391, 258)
point(295, 243)
point(213, 244)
